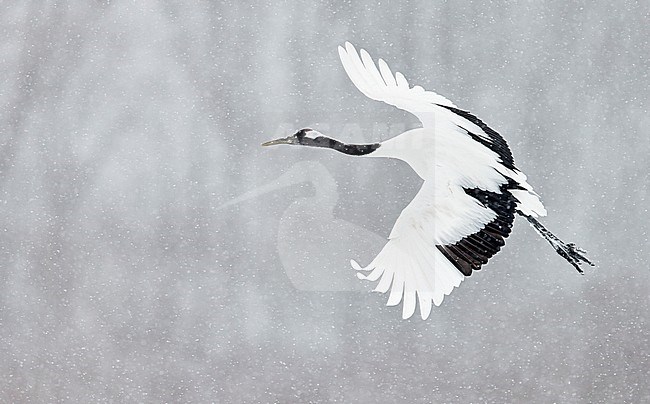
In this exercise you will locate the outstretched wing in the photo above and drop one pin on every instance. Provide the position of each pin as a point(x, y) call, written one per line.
point(435, 112)
point(443, 235)
point(381, 85)
point(438, 113)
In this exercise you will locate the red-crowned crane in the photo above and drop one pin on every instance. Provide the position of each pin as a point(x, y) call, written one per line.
point(464, 211)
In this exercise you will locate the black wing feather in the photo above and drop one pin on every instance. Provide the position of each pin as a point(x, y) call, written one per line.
point(496, 143)
point(474, 250)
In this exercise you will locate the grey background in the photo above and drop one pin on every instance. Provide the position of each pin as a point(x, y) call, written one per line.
point(126, 125)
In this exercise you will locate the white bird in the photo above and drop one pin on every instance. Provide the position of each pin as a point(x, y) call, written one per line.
point(464, 211)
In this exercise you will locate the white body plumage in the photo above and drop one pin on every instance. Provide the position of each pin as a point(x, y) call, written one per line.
point(466, 206)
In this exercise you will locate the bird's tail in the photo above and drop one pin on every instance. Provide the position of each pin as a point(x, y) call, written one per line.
point(569, 252)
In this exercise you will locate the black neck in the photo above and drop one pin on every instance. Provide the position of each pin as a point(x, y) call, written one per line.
point(351, 149)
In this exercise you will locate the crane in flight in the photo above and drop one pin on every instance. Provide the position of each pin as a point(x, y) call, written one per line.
point(465, 209)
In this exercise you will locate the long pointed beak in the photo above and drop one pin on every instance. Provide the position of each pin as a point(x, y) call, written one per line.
point(284, 140)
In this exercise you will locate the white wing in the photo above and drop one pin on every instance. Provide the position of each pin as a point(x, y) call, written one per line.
point(381, 85)
point(435, 112)
point(464, 211)
point(439, 224)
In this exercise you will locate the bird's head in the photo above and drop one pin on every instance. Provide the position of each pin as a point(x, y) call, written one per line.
point(297, 138)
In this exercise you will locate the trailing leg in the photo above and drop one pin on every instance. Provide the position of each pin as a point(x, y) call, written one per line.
point(569, 252)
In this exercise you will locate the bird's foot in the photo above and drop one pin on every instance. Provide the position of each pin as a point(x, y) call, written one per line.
point(573, 254)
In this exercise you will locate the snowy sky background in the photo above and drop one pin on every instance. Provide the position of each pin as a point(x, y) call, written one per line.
point(126, 125)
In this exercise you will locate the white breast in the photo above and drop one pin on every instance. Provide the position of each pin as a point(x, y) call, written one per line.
point(445, 154)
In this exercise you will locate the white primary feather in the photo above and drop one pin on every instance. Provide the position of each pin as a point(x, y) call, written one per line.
point(381, 85)
point(444, 154)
